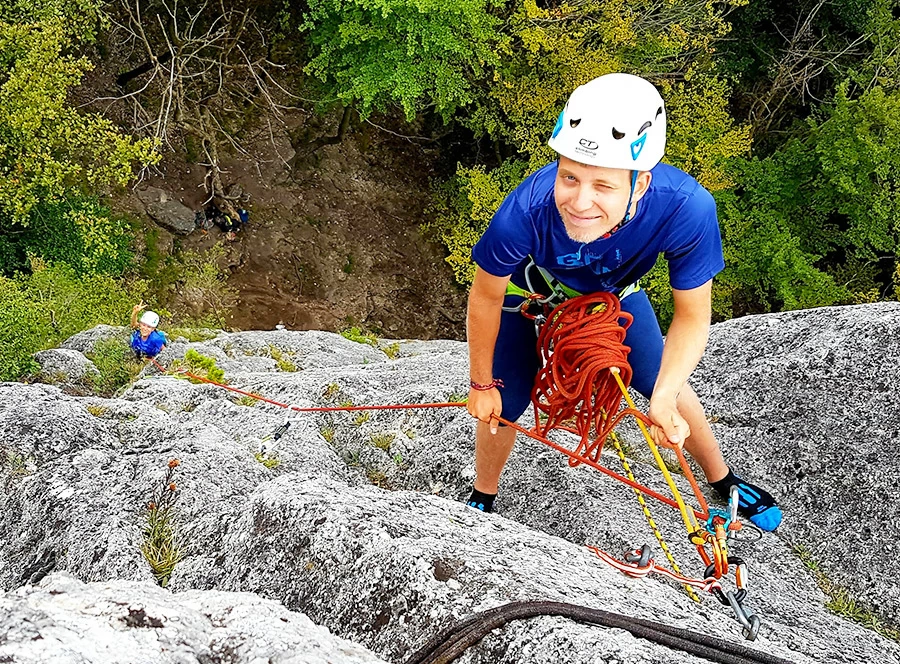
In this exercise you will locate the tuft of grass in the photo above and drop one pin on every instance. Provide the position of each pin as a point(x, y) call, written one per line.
point(270, 462)
point(282, 360)
point(410, 432)
point(840, 601)
point(382, 441)
point(97, 410)
point(360, 336)
point(392, 350)
point(15, 464)
point(327, 433)
point(160, 545)
point(331, 391)
point(362, 418)
point(457, 397)
point(378, 478)
point(247, 400)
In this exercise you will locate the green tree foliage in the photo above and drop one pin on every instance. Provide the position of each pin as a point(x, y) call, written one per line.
point(41, 309)
point(411, 53)
point(51, 155)
point(53, 233)
point(552, 50)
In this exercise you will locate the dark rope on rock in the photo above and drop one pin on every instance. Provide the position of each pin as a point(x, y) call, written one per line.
point(452, 642)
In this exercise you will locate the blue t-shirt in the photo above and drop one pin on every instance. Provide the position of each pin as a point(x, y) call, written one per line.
point(149, 346)
point(676, 217)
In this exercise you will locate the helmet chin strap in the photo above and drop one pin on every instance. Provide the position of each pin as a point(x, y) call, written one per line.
point(627, 217)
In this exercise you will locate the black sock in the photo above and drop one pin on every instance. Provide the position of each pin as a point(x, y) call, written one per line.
point(752, 499)
point(481, 501)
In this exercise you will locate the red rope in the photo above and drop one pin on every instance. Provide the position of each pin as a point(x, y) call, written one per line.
point(299, 409)
point(580, 342)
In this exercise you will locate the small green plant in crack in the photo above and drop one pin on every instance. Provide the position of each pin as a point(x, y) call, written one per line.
point(247, 400)
point(270, 461)
point(362, 418)
point(14, 463)
point(839, 600)
point(409, 432)
point(457, 397)
point(199, 365)
point(352, 458)
point(346, 403)
point(382, 441)
point(97, 410)
point(392, 350)
point(360, 336)
point(284, 363)
point(378, 478)
point(331, 391)
point(328, 434)
point(160, 545)
point(192, 334)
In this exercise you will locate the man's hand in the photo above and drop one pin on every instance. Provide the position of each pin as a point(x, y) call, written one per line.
point(669, 428)
point(485, 405)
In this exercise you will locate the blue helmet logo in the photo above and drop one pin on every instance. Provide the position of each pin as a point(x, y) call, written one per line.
point(559, 125)
point(637, 146)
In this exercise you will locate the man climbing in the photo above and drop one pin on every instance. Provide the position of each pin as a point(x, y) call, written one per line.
point(146, 340)
point(596, 220)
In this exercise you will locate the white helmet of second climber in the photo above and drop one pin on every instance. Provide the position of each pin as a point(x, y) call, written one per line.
point(615, 121)
point(150, 318)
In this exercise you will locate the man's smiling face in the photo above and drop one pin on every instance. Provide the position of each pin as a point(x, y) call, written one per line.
point(592, 200)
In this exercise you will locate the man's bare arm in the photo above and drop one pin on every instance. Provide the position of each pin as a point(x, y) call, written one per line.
point(482, 327)
point(685, 343)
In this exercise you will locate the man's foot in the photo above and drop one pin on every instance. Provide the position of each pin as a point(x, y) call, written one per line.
point(754, 503)
point(481, 501)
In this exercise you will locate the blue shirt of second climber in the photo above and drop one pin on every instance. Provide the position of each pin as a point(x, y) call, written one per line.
point(151, 346)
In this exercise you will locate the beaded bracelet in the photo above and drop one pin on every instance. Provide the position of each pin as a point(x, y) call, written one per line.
point(496, 382)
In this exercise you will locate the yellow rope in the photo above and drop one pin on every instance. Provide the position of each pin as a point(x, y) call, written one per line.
point(650, 521)
point(687, 514)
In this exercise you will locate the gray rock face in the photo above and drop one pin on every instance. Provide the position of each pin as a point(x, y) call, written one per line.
point(166, 210)
point(360, 525)
point(807, 403)
point(60, 365)
point(84, 342)
point(122, 622)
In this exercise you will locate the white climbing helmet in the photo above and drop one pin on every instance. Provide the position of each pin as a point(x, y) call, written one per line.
point(616, 121)
point(150, 318)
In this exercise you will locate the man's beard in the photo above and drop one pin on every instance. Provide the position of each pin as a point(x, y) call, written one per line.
point(583, 235)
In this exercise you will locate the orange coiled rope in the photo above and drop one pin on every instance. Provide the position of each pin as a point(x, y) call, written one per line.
point(579, 344)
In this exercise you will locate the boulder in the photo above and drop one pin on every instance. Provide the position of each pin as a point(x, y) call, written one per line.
point(84, 342)
point(62, 619)
point(64, 366)
point(166, 210)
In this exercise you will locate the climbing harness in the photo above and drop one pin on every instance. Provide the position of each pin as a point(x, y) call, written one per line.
point(543, 292)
